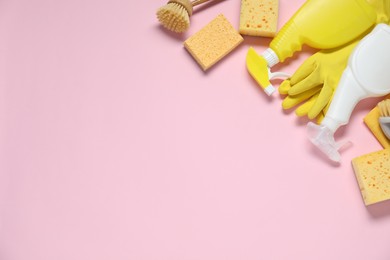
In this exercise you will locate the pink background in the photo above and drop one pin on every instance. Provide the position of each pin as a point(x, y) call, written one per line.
point(114, 144)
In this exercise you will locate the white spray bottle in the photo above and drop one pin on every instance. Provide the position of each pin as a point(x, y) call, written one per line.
point(367, 75)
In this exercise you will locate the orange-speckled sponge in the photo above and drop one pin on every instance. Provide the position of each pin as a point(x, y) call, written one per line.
point(213, 42)
point(259, 17)
point(373, 174)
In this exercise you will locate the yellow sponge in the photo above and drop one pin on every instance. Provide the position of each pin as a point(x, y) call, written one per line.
point(213, 42)
point(372, 122)
point(259, 17)
point(373, 174)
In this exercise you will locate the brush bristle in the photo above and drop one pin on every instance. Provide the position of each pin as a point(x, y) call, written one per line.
point(384, 108)
point(174, 17)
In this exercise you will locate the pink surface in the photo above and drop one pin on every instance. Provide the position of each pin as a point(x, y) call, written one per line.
point(114, 144)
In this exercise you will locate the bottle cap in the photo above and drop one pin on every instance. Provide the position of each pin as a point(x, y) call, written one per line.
point(271, 57)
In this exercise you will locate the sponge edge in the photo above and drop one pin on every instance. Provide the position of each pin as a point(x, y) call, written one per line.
point(213, 42)
point(373, 175)
point(259, 17)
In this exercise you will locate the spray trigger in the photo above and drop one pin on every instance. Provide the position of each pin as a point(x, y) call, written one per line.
point(322, 137)
point(258, 68)
point(277, 74)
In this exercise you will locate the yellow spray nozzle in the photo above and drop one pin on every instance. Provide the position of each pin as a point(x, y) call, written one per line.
point(259, 70)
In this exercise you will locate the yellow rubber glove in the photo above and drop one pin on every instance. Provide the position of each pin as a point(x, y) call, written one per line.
point(315, 80)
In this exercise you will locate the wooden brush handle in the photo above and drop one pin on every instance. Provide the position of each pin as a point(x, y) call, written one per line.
point(198, 2)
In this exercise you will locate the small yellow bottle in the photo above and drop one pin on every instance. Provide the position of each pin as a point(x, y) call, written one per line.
point(321, 24)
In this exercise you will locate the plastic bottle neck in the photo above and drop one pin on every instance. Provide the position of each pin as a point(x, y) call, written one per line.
point(271, 57)
point(331, 124)
point(348, 93)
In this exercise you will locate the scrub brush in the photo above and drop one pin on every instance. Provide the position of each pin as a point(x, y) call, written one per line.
point(384, 118)
point(175, 15)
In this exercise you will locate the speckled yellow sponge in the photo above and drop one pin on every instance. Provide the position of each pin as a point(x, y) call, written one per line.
point(373, 174)
point(259, 17)
point(213, 42)
point(372, 122)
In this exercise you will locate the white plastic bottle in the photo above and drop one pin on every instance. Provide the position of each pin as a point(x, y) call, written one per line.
point(367, 75)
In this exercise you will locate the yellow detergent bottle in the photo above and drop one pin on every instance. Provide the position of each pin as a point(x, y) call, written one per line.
point(321, 24)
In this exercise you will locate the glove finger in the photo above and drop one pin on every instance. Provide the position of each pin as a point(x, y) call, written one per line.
point(292, 101)
point(311, 81)
point(303, 71)
point(305, 108)
point(320, 117)
point(322, 101)
point(284, 87)
point(326, 108)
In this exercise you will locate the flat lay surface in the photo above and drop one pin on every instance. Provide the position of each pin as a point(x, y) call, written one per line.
point(115, 144)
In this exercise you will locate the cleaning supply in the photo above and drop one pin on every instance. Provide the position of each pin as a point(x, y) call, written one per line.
point(258, 69)
point(372, 172)
point(384, 119)
point(319, 76)
point(305, 100)
point(213, 42)
point(365, 76)
point(175, 15)
point(312, 85)
point(259, 17)
point(372, 122)
point(321, 24)
point(382, 9)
